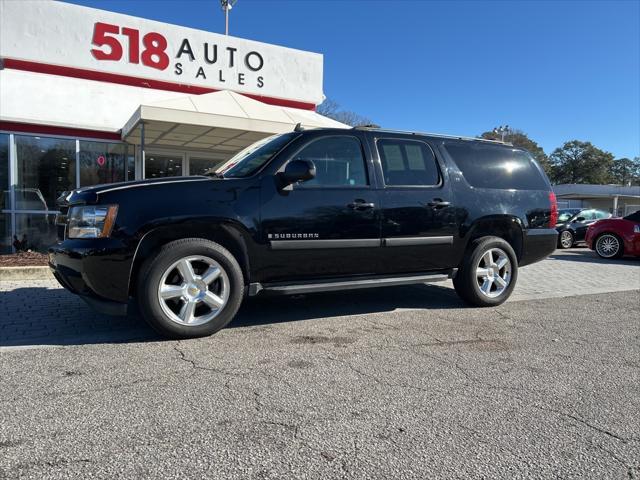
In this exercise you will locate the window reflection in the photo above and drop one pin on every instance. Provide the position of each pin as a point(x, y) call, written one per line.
point(101, 162)
point(5, 233)
point(163, 166)
point(34, 231)
point(46, 168)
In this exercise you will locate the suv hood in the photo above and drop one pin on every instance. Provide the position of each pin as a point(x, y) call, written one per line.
point(90, 195)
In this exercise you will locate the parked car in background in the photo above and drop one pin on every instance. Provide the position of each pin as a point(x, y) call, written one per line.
point(615, 237)
point(573, 223)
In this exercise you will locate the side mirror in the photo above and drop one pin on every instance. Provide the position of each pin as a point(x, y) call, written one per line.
point(298, 171)
point(580, 219)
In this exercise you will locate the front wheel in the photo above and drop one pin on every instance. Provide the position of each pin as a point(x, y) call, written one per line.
point(190, 288)
point(609, 245)
point(488, 273)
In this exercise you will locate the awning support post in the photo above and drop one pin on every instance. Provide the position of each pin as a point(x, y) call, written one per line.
point(615, 206)
point(142, 160)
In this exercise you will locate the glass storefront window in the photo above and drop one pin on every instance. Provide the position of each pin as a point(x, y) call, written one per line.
point(131, 165)
point(162, 165)
point(5, 233)
point(102, 162)
point(35, 231)
point(4, 172)
point(201, 165)
point(46, 168)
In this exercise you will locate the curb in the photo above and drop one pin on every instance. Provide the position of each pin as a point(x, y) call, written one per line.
point(25, 273)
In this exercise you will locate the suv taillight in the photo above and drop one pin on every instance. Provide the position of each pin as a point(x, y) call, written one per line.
point(553, 217)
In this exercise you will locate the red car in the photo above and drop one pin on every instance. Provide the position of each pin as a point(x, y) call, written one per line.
point(615, 237)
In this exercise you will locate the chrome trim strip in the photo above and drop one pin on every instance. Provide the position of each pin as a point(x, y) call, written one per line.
point(125, 187)
point(315, 244)
point(408, 241)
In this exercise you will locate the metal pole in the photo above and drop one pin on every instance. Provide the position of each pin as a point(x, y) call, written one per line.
point(142, 149)
point(226, 19)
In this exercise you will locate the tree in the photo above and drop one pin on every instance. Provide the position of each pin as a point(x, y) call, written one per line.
point(520, 139)
point(625, 171)
point(331, 109)
point(580, 162)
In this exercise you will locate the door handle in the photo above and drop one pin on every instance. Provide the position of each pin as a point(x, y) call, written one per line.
point(361, 205)
point(438, 203)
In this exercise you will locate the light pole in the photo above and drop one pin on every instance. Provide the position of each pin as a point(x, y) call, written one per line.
point(502, 130)
point(226, 6)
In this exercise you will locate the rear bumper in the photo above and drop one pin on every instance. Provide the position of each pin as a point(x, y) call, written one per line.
point(538, 244)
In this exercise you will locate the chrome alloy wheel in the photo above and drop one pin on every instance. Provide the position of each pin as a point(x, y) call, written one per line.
point(566, 239)
point(608, 246)
point(493, 272)
point(193, 290)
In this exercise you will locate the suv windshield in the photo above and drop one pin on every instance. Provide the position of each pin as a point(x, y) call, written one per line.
point(254, 157)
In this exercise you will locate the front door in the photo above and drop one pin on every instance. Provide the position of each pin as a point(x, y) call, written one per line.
point(328, 226)
point(419, 224)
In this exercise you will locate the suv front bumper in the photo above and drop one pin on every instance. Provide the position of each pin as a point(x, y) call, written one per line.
point(96, 270)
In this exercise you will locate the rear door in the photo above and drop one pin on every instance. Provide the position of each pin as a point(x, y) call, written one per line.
point(417, 206)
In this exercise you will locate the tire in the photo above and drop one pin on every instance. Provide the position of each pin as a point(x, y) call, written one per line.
point(566, 239)
point(472, 287)
point(609, 245)
point(190, 288)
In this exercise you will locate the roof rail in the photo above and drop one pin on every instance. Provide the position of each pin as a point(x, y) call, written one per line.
point(439, 135)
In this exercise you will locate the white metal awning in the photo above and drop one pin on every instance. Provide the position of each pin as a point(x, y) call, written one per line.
point(221, 121)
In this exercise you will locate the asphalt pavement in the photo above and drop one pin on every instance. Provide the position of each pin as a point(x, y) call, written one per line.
point(401, 382)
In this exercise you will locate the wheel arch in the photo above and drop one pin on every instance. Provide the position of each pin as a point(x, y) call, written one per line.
point(224, 233)
point(507, 227)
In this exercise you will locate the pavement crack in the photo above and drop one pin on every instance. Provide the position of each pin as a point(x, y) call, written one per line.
point(585, 423)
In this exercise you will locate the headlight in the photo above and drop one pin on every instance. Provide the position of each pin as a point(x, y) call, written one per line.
point(91, 222)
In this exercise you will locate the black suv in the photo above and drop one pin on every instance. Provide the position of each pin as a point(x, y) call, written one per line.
point(308, 211)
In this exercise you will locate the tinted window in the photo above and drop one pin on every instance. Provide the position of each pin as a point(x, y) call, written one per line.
point(407, 162)
point(101, 162)
point(602, 214)
point(338, 160)
point(4, 176)
point(495, 166)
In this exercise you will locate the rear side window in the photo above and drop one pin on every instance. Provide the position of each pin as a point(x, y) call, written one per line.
point(407, 163)
point(494, 166)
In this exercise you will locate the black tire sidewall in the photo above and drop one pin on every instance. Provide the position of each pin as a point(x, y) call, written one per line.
point(465, 282)
point(155, 266)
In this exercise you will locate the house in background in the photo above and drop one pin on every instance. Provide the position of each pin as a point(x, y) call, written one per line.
point(617, 200)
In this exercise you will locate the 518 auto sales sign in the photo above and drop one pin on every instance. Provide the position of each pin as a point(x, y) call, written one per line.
point(43, 33)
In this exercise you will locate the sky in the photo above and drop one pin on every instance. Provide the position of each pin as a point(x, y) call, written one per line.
point(558, 70)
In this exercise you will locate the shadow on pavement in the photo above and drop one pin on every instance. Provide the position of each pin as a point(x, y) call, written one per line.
point(43, 316)
point(589, 256)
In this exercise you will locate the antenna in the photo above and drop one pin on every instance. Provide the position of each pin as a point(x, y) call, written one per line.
point(226, 6)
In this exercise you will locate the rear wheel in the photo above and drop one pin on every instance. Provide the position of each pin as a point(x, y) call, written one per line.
point(190, 288)
point(566, 239)
point(609, 245)
point(488, 272)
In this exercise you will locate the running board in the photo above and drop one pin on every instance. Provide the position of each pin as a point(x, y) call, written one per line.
point(341, 284)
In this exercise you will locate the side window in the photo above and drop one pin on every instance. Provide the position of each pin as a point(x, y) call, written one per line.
point(601, 214)
point(407, 163)
point(339, 162)
point(587, 214)
point(485, 165)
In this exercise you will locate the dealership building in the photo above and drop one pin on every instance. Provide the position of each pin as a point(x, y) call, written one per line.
point(89, 96)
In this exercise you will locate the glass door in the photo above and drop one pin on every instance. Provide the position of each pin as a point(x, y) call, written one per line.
point(163, 164)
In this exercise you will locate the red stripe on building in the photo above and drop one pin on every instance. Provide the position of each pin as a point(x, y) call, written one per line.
point(50, 130)
point(38, 67)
